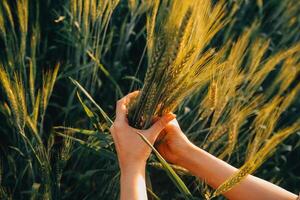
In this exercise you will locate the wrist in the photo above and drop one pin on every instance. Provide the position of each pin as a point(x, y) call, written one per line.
point(132, 167)
point(132, 182)
point(187, 155)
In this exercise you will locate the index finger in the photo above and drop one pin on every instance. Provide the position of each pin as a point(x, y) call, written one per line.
point(121, 108)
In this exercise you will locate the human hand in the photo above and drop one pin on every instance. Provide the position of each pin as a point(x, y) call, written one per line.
point(131, 149)
point(172, 143)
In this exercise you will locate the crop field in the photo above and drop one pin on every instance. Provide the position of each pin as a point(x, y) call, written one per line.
point(228, 69)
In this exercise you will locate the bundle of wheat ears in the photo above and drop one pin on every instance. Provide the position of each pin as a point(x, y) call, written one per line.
point(178, 35)
point(181, 61)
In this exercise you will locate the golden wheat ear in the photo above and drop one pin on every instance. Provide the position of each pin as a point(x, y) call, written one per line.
point(10, 93)
point(177, 60)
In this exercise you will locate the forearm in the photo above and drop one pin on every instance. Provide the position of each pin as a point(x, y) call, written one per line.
point(133, 186)
point(215, 171)
point(207, 167)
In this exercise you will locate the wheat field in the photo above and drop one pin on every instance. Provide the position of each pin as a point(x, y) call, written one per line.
point(230, 70)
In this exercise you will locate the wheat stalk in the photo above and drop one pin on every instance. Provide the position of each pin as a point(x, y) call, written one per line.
point(176, 68)
point(250, 166)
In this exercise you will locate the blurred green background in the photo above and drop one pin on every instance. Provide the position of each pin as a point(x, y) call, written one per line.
point(105, 53)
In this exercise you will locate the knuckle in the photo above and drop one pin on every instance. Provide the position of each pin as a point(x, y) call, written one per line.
point(119, 102)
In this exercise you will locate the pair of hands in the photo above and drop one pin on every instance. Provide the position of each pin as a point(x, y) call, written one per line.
point(133, 152)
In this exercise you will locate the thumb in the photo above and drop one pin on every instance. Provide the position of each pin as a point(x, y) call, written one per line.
point(158, 126)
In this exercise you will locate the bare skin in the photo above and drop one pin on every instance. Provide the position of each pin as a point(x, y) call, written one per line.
point(177, 149)
point(132, 151)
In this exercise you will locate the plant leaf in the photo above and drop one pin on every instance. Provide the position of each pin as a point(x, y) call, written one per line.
point(108, 120)
point(171, 173)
